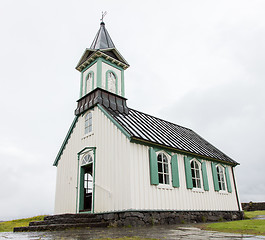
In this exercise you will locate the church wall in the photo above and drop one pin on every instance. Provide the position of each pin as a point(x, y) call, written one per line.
point(122, 176)
point(150, 197)
point(66, 200)
point(112, 191)
point(111, 167)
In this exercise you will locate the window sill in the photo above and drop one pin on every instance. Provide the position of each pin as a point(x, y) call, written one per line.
point(164, 186)
point(87, 135)
point(198, 190)
point(222, 192)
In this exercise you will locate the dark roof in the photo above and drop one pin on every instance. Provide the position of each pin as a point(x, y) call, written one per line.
point(150, 129)
point(102, 39)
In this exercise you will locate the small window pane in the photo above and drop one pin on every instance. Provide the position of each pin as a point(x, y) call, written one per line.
point(198, 183)
point(165, 168)
point(166, 179)
point(194, 182)
point(192, 164)
point(160, 167)
point(160, 178)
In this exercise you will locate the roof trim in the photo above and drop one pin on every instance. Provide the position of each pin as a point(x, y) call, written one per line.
point(65, 141)
point(163, 147)
point(82, 64)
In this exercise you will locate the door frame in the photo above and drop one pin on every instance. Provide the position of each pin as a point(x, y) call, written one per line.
point(80, 178)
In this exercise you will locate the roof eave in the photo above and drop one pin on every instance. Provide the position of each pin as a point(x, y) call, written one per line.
point(139, 140)
point(98, 54)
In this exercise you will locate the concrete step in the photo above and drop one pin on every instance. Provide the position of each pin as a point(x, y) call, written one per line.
point(65, 221)
point(56, 227)
point(70, 215)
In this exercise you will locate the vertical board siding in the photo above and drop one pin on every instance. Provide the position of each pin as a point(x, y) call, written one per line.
point(122, 176)
point(150, 197)
point(113, 166)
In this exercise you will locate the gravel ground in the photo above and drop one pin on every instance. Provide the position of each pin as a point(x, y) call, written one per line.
point(158, 232)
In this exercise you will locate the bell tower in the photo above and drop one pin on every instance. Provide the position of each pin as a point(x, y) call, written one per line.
point(102, 66)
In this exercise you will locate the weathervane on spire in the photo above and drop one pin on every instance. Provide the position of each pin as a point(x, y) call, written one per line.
point(103, 15)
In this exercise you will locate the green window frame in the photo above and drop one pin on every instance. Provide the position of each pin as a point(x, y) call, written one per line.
point(196, 173)
point(163, 168)
point(216, 178)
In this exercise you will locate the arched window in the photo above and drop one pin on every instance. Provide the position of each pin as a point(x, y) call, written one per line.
point(195, 174)
point(163, 168)
point(111, 82)
point(86, 160)
point(89, 82)
point(220, 177)
point(88, 123)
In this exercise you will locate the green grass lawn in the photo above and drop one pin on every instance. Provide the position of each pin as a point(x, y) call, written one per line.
point(9, 225)
point(249, 226)
point(253, 214)
point(256, 227)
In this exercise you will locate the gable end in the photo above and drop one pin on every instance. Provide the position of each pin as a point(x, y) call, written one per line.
point(65, 141)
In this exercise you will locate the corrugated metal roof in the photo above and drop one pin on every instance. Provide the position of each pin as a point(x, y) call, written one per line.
point(154, 130)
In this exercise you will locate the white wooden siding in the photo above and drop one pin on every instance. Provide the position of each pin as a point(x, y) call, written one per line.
point(122, 175)
point(150, 197)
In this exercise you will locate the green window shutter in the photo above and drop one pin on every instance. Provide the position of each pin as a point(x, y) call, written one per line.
point(153, 167)
point(188, 173)
point(228, 183)
point(215, 179)
point(204, 177)
point(175, 171)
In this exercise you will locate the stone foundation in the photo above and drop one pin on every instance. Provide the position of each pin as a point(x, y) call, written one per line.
point(253, 206)
point(140, 218)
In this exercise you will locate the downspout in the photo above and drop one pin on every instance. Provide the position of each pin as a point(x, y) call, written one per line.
point(238, 203)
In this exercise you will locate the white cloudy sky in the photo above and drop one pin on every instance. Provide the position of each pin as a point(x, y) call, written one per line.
point(199, 64)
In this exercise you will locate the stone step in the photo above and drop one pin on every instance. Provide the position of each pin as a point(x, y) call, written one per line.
point(55, 227)
point(70, 215)
point(65, 221)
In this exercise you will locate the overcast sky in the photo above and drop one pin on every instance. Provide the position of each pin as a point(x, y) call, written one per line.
point(199, 64)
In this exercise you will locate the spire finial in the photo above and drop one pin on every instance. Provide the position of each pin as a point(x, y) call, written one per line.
point(103, 15)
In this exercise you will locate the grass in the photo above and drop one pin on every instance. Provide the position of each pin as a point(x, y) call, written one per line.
point(253, 214)
point(256, 227)
point(9, 225)
point(249, 226)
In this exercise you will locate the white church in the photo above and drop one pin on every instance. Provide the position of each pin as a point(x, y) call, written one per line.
point(118, 159)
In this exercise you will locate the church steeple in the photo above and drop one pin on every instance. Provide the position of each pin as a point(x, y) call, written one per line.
point(102, 39)
point(102, 66)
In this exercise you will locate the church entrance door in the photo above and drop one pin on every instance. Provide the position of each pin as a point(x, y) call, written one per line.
point(86, 185)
